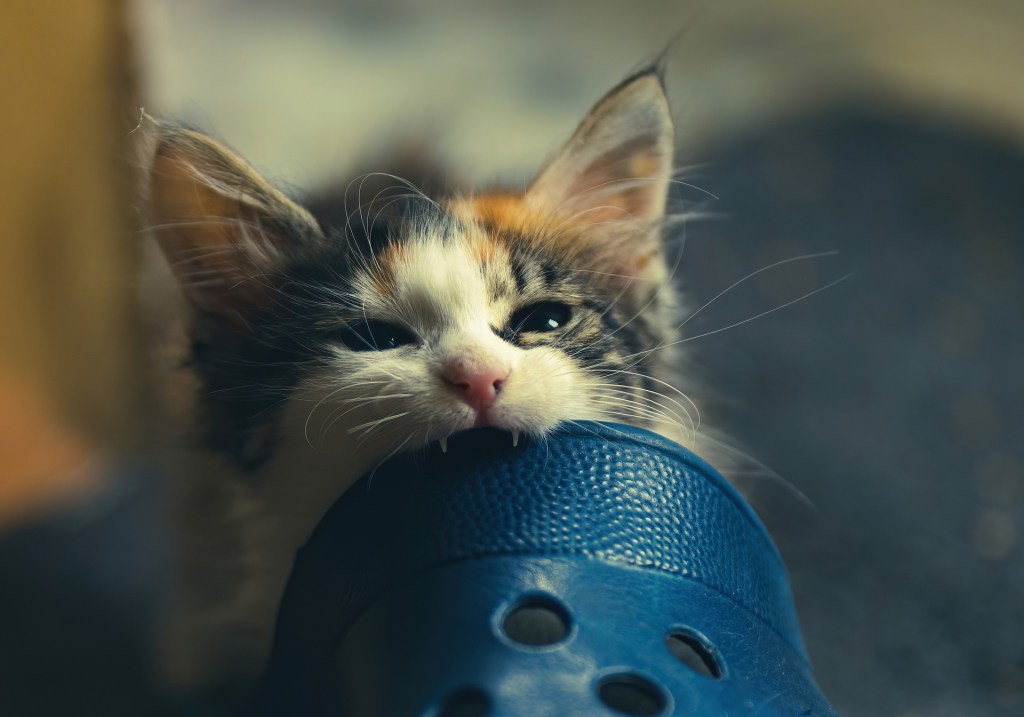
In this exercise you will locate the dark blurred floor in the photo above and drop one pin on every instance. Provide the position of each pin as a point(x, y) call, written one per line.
point(893, 400)
point(79, 594)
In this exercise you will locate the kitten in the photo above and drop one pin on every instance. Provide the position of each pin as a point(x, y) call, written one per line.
point(316, 348)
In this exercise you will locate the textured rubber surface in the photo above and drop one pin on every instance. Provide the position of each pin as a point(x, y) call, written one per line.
point(397, 604)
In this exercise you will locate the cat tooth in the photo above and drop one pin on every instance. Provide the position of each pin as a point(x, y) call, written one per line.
point(515, 438)
point(444, 444)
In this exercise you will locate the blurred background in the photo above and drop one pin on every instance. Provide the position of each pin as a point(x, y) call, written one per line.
point(885, 411)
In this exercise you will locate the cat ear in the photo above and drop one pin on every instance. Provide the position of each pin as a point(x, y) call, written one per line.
point(223, 228)
point(612, 176)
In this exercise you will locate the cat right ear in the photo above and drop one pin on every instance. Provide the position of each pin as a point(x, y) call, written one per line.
point(611, 180)
point(222, 226)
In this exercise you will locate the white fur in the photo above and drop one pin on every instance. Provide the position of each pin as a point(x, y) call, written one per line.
point(330, 439)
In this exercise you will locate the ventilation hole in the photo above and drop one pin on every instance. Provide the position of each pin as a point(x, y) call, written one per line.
point(537, 620)
point(631, 694)
point(695, 653)
point(467, 702)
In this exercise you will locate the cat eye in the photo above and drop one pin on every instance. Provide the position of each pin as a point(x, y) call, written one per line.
point(373, 335)
point(539, 317)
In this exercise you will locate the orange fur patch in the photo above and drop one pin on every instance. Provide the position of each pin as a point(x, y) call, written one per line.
point(392, 256)
point(505, 211)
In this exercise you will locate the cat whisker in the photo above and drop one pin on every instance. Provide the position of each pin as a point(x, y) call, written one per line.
point(622, 394)
point(416, 190)
point(354, 382)
point(380, 433)
point(309, 416)
point(690, 169)
point(751, 275)
point(671, 221)
point(763, 472)
point(370, 425)
point(667, 385)
point(328, 397)
point(638, 402)
point(377, 396)
point(607, 273)
point(694, 186)
point(803, 257)
point(337, 414)
point(772, 310)
point(392, 200)
point(623, 414)
point(622, 408)
point(661, 396)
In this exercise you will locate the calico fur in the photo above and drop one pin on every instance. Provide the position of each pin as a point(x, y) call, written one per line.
point(285, 408)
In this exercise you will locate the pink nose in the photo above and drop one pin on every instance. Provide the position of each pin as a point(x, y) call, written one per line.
point(478, 387)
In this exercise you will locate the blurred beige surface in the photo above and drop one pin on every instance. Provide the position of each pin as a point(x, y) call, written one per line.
point(306, 88)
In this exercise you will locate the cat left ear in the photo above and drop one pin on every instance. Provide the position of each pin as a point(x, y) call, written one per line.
point(612, 176)
point(222, 226)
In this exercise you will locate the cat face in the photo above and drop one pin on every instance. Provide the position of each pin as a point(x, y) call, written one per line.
point(415, 319)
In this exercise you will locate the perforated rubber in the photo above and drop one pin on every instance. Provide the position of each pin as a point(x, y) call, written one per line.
point(602, 571)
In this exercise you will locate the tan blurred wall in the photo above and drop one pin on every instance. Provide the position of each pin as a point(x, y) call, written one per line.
point(304, 88)
point(68, 350)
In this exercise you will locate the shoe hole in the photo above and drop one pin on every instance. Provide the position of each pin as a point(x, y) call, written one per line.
point(537, 621)
point(695, 652)
point(631, 694)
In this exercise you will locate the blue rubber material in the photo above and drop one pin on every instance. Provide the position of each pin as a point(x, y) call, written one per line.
point(398, 605)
